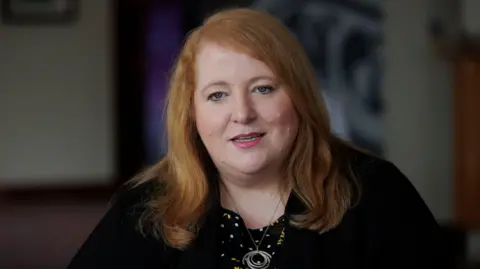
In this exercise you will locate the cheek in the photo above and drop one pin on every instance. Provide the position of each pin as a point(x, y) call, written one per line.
point(289, 120)
point(201, 120)
point(203, 125)
point(283, 115)
point(209, 122)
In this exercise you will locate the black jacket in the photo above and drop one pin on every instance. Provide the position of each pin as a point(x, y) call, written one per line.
point(391, 227)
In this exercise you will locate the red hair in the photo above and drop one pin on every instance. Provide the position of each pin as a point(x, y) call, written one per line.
point(316, 171)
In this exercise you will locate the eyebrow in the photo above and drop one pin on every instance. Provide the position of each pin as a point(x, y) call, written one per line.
point(223, 83)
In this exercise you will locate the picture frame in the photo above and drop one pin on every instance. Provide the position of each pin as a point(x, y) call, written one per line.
point(37, 12)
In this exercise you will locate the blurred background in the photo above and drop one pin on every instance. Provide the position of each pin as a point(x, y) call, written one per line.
point(82, 88)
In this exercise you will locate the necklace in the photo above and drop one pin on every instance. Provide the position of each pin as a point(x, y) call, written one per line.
point(256, 259)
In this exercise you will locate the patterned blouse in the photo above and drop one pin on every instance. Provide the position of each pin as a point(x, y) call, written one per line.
point(236, 241)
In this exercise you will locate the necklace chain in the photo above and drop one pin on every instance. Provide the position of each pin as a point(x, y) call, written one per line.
point(248, 231)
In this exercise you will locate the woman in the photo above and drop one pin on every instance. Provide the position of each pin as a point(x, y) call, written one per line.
point(253, 177)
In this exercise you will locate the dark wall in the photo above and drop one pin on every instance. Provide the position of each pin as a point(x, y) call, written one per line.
point(130, 83)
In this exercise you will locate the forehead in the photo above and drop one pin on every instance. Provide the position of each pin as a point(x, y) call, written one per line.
point(216, 62)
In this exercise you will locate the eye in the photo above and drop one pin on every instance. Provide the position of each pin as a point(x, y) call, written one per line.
point(263, 89)
point(216, 96)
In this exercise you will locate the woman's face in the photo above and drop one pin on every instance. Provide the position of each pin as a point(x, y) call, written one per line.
point(245, 118)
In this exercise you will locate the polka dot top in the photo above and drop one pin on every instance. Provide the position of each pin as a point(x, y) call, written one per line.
point(235, 241)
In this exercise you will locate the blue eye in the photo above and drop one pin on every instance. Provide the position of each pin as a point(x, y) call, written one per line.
point(263, 89)
point(216, 96)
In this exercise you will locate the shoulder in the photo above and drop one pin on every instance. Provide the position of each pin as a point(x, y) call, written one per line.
point(116, 240)
point(394, 217)
point(130, 197)
point(380, 179)
point(387, 198)
point(129, 205)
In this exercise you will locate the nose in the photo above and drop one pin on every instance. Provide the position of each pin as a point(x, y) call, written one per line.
point(243, 110)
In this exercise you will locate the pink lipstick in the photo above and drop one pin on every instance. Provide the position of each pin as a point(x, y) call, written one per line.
point(248, 140)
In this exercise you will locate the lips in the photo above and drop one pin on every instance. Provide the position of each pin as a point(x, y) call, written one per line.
point(247, 137)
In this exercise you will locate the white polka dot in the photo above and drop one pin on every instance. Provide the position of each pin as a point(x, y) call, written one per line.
point(267, 235)
point(231, 236)
point(221, 225)
point(236, 224)
point(261, 229)
point(241, 245)
point(256, 241)
point(223, 242)
point(273, 253)
point(222, 255)
point(237, 217)
point(268, 246)
point(250, 248)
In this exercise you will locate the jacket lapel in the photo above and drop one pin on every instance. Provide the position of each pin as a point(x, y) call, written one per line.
point(299, 249)
point(308, 249)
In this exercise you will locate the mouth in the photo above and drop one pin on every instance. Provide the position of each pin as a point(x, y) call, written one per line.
point(247, 137)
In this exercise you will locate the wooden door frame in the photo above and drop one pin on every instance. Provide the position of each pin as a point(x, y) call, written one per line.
point(466, 98)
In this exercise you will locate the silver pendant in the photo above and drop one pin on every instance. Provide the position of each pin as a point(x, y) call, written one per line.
point(257, 259)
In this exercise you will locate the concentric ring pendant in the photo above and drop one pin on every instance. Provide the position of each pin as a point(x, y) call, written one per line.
point(257, 259)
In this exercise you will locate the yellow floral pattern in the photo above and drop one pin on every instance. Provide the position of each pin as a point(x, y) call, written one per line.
point(282, 237)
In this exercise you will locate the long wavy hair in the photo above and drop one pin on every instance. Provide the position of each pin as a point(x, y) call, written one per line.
point(316, 168)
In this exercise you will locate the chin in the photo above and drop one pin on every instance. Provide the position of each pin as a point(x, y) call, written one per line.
point(250, 165)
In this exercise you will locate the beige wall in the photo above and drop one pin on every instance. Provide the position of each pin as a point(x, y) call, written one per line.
point(418, 90)
point(470, 18)
point(56, 101)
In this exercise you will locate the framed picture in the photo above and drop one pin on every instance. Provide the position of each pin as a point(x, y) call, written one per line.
point(39, 11)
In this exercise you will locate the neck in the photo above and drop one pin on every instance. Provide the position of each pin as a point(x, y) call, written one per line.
point(248, 183)
point(256, 200)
